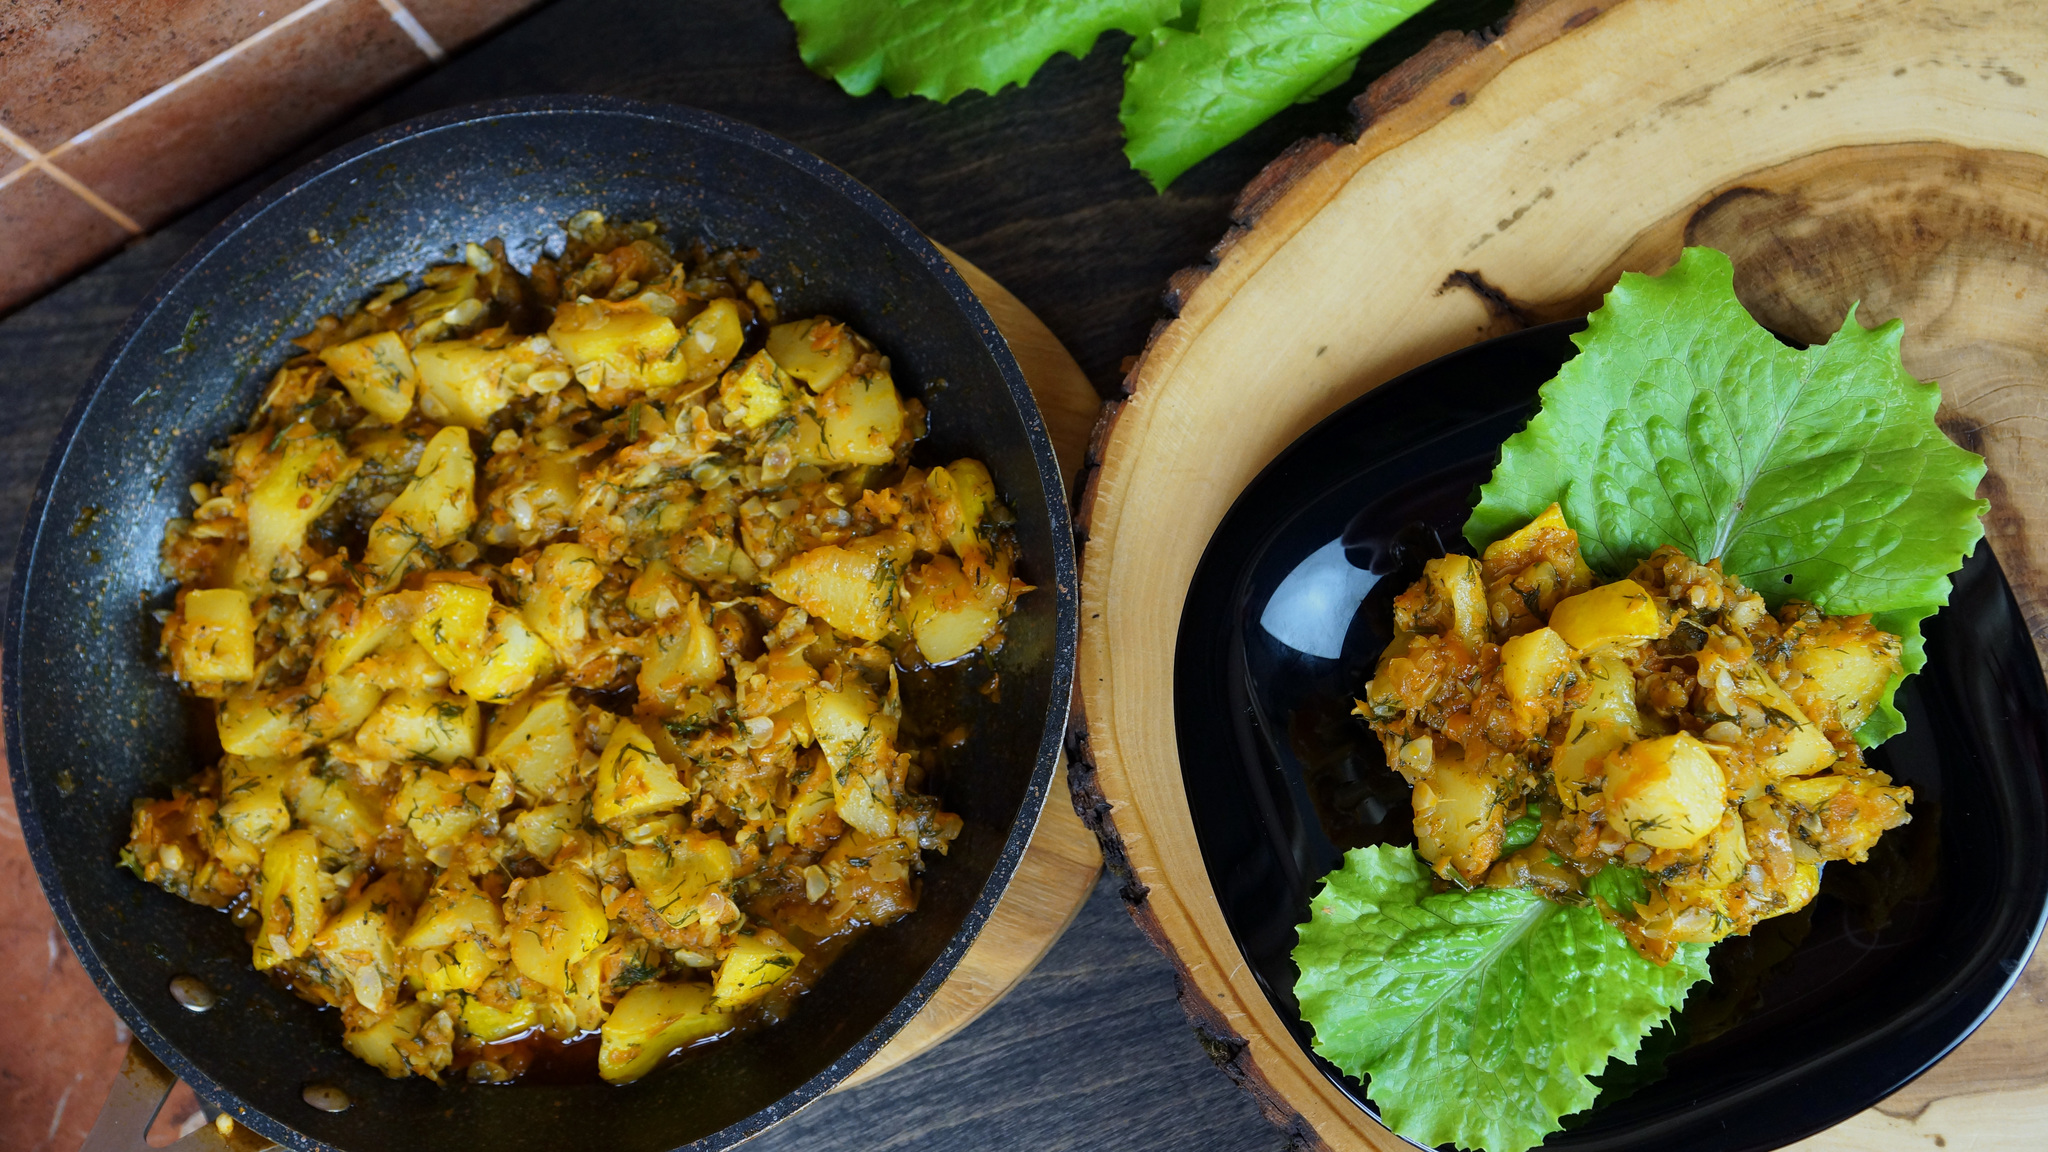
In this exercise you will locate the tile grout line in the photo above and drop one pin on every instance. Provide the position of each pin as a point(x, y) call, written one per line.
point(213, 64)
point(38, 161)
point(407, 22)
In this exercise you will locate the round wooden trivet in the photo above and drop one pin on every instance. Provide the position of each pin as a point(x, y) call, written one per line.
point(1059, 868)
point(1838, 150)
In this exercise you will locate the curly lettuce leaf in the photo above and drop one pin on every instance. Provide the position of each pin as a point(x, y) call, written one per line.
point(1191, 90)
point(1478, 1016)
point(940, 48)
point(1816, 474)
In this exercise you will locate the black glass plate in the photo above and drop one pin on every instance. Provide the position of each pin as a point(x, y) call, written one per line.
point(1808, 1020)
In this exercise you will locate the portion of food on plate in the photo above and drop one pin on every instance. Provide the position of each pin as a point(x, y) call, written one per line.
point(1634, 724)
point(552, 625)
point(1554, 725)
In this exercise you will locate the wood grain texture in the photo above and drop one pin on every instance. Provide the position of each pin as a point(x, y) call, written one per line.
point(1837, 149)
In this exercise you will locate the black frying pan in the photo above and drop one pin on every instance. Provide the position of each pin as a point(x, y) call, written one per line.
point(92, 723)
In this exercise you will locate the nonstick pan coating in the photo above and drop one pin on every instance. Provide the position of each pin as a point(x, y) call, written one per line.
point(92, 722)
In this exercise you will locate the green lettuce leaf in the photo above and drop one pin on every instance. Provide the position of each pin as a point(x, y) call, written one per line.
point(1818, 474)
point(940, 48)
point(1190, 91)
point(1479, 1015)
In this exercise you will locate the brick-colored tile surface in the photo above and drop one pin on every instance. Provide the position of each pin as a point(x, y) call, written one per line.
point(60, 1045)
point(223, 123)
point(65, 66)
point(454, 23)
point(46, 233)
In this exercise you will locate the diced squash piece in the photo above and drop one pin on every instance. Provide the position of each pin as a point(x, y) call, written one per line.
point(436, 509)
point(1535, 668)
point(563, 577)
point(325, 800)
point(675, 872)
point(339, 704)
point(462, 382)
point(863, 799)
point(1853, 811)
point(554, 921)
point(1460, 817)
point(437, 809)
point(252, 807)
point(541, 830)
point(1803, 747)
point(1453, 602)
point(454, 618)
point(1529, 571)
point(449, 287)
point(651, 1021)
point(760, 959)
point(949, 615)
point(355, 628)
point(1620, 614)
point(460, 967)
point(636, 349)
point(361, 943)
point(422, 724)
point(960, 495)
point(251, 722)
point(378, 372)
point(392, 1043)
point(288, 898)
point(852, 587)
point(1605, 722)
point(1846, 664)
point(491, 1023)
point(1669, 792)
point(455, 912)
point(536, 740)
point(817, 351)
point(512, 659)
point(214, 637)
point(1715, 862)
point(812, 818)
point(755, 392)
point(862, 419)
point(656, 592)
point(712, 338)
point(683, 656)
point(294, 493)
point(840, 721)
point(632, 779)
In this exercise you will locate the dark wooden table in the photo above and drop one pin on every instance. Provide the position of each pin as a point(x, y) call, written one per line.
point(1091, 1051)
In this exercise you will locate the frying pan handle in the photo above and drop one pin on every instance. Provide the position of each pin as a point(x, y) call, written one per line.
point(139, 1093)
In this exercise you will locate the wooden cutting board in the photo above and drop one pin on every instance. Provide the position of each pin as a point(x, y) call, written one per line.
point(1890, 152)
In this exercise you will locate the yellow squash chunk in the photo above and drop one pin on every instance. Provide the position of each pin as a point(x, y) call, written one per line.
point(541, 830)
point(378, 371)
point(392, 1044)
point(755, 392)
point(462, 382)
point(535, 739)
point(651, 1021)
point(422, 724)
point(862, 419)
point(683, 656)
point(949, 615)
point(324, 800)
point(816, 351)
point(635, 349)
point(555, 920)
point(556, 609)
point(293, 494)
point(632, 779)
point(1803, 748)
point(490, 1023)
point(960, 494)
point(712, 338)
point(455, 615)
point(840, 721)
point(438, 809)
point(759, 960)
point(1453, 602)
point(863, 799)
point(1535, 668)
point(674, 874)
point(1605, 722)
point(1621, 614)
point(852, 587)
point(1668, 792)
point(252, 807)
point(1846, 663)
point(288, 898)
point(1460, 818)
point(1715, 862)
point(460, 967)
point(455, 912)
point(436, 509)
point(214, 640)
point(361, 943)
point(511, 660)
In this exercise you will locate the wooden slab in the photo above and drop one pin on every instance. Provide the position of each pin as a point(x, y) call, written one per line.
point(1837, 149)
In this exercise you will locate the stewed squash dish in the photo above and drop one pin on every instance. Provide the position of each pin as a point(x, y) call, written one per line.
point(553, 627)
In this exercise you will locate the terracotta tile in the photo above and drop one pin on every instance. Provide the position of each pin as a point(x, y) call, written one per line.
point(222, 123)
point(60, 1045)
point(46, 233)
point(453, 23)
point(66, 66)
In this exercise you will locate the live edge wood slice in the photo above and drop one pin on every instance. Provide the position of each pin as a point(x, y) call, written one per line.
point(1887, 152)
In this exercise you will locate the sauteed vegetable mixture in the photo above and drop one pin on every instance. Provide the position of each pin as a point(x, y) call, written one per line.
point(552, 624)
